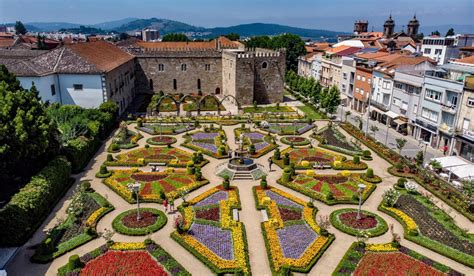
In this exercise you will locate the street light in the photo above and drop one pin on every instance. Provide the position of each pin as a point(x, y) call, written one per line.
point(360, 190)
point(135, 188)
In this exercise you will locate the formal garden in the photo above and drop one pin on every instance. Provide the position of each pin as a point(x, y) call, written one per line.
point(212, 142)
point(295, 128)
point(255, 142)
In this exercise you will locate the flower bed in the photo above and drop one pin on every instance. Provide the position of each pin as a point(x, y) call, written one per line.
point(438, 187)
point(293, 239)
point(127, 259)
point(346, 221)
point(429, 226)
point(165, 129)
point(172, 157)
point(151, 221)
point(296, 128)
point(221, 245)
point(212, 143)
point(330, 188)
point(307, 158)
point(173, 183)
point(76, 230)
point(262, 143)
point(384, 259)
point(295, 140)
point(161, 140)
point(332, 139)
point(125, 139)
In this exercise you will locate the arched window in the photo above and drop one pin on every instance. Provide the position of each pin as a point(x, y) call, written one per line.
point(199, 84)
point(183, 67)
point(264, 65)
point(175, 84)
point(218, 91)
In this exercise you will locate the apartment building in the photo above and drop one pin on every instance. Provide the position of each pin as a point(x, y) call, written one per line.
point(362, 88)
point(348, 70)
point(440, 49)
point(464, 145)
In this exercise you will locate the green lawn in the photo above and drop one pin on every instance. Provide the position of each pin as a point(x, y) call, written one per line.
point(260, 109)
point(311, 113)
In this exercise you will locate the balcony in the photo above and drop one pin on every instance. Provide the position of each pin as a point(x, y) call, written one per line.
point(449, 108)
point(380, 106)
point(446, 128)
point(466, 134)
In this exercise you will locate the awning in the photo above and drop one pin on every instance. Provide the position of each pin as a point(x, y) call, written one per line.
point(400, 122)
point(450, 162)
point(373, 108)
point(391, 114)
point(463, 172)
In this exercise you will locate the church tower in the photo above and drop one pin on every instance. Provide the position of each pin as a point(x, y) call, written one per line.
point(413, 27)
point(360, 26)
point(388, 27)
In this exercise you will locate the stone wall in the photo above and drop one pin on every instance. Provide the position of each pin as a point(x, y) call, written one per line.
point(269, 81)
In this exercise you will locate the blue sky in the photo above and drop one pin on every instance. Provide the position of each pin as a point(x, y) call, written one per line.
point(332, 15)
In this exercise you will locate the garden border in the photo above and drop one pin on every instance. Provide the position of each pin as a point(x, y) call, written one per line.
point(119, 227)
point(378, 230)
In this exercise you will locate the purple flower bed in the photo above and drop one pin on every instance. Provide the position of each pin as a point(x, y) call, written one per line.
point(260, 146)
point(217, 240)
point(213, 199)
point(280, 200)
point(305, 128)
point(204, 136)
point(295, 239)
point(254, 135)
point(205, 146)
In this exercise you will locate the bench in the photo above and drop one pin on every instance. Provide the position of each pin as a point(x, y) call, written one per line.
point(264, 215)
point(157, 164)
point(235, 214)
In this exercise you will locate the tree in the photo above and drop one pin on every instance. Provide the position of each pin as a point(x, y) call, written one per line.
point(9, 78)
point(450, 32)
point(331, 99)
point(20, 28)
point(40, 42)
point(123, 36)
point(359, 121)
point(374, 129)
point(401, 142)
point(348, 113)
point(419, 158)
point(233, 36)
point(259, 42)
point(435, 33)
point(175, 37)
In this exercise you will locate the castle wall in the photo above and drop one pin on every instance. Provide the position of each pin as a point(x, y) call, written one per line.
point(269, 81)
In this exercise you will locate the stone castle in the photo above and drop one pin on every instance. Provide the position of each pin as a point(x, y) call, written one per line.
point(219, 67)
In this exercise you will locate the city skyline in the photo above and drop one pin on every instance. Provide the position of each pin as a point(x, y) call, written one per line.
point(211, 13)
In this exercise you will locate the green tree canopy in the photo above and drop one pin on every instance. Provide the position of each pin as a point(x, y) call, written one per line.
point(450, 32)
point(435, 33)
point(233, 36)
point(9, 78)
point(20, 28)
point(330, 99)
point(174, 37)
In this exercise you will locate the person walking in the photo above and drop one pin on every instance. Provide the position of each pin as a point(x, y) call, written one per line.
point(165, 204)
point(171, 205)
point(445, 150)
point(270, 163)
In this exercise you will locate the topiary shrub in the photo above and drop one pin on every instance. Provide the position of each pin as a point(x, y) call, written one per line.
point(286, 159)
point(86, 186)
point(198, 174)
point(252, 149)
point(74, 262)
point(226, 182)
point(369, 173)
point(366, 153)
point(263, 182)
point(277, 154)
point(114, 147)
point(139, 122)
point(401, 182)
point(147, 146)
point(330, 196)
point(103, 170)
point(190, 169)
point(286, 177)
point(221, 150)
point(110, 158)
point(356, 159)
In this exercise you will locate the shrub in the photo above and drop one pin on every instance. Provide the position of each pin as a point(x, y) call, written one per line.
point(221, 150)
point(226, 182)
point(263, 182)
point(110, 158)
point(74, 262)
point(114, 147)
point(369, 173)
point(286, 159)
point(329, 196)
point(356, 159)
point(390, 197)
point(79, 151)
point(147, 146)
point(252, 149)
point(86, 186)
point(277, 154)
point(103, 169)
point(401, 182)
point(190, 169)
point(27, 208)
point(139, 122)
point(286, 174)
point(366, 153)
point(198, 174)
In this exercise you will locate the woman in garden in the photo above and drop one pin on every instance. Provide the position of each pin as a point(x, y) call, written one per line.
point(165, 204)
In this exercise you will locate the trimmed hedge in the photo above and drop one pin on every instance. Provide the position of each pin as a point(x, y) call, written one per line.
point(378, 230)
point(80, 150)
point(28, 208)
point(119, 227)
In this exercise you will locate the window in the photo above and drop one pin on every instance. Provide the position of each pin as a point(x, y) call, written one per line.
point(438, 51)
point(344, 87)
point(53, 90)
point(433, 95)
point(77, 86)
point(358, 77)
point(264, 65)
point(199, 84)
point(110, 89)
point(362, 92)
point(207, 67)
point(470, 101)
point(404, 105)
point(344, 75)
point(465, 124)
point(161, 67)
point(357, 90)
point(369, 80)
point(427, 51)
point(415, 108)
point(399, 85)
point(175, 84)
point(397, 102)
point(183, 67)
point(363, 78)
point(429, 114)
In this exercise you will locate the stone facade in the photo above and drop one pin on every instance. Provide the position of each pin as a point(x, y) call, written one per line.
point(247, 75)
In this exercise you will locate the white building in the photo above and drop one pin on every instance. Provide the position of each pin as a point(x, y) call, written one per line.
point(150, 35)
point(84, 74)
point(440, 49)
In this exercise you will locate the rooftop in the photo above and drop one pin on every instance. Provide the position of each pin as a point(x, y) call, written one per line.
point(191, 45)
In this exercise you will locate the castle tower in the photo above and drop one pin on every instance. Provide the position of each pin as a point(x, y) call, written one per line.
point(360, 26)
point(388, 27)
point(413, 27)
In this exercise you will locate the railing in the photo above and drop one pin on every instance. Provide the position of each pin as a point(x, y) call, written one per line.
point(448, 108)
point(380, 106)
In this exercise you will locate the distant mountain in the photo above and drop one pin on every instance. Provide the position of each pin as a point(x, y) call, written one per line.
point(84, 30)
point(461, 29)
point(110, 25)
point(165, 26)
point(271, 29)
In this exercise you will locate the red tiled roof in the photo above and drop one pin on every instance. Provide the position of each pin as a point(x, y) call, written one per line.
point(213, 44)
point(343, 50)
point(468, 60)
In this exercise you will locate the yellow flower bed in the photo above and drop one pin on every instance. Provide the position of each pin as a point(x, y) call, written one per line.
point(309, 218)
point(410, 223)
point(91, 220)
point(380, 247)
point(274, 245)
point(188, 216)
point(274, 214)
point(309, 254)
point(121, 190)
point(128, 246)
point(203, 196)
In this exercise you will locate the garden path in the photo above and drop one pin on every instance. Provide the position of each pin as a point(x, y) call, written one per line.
point(249, 216)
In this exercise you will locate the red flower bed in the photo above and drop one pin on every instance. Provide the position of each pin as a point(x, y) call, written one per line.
point(123, 263)
point(317, 159)
point(393, 263)
point(294, 139)
point(287, 214)
point(317, 187)
point(162, 139)
point(167, 186)
point(365, 221)
point(208, 214)
point(148, 177)
point(147, 219)
point(147, 189)
point(183, 180)
point(335, 191)
point(331, 179)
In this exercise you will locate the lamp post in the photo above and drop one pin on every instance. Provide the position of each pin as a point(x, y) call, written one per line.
point(135, 188)
point(360, 190)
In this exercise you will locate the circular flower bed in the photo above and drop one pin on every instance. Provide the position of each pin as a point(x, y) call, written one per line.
point(161, 140)
point(295, 140)
point(346, 221)
point(151, 220)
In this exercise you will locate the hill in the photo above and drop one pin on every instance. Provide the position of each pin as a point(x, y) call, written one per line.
point(111, 25)
point(164, 25)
